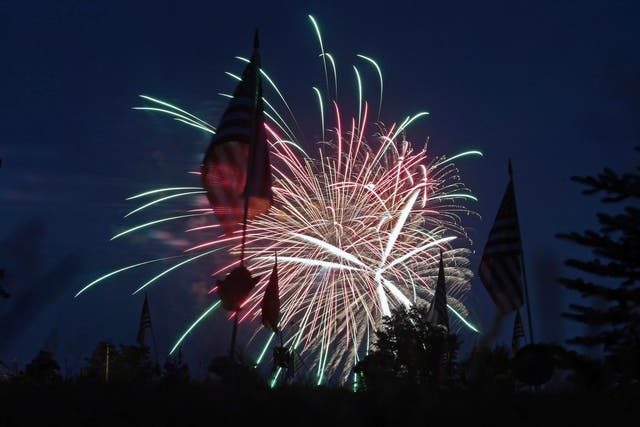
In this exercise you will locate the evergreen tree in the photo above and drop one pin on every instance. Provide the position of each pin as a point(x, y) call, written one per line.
point(407, 349)
point(133, 365)
point(176, 370)
point(613, 273)
point(127, 364)
point(488, 369)
point(43, 368)
point(96, 364)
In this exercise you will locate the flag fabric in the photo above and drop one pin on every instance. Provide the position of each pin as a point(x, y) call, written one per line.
point(518, 333)
point(500, 267)
point(437, 313)
point(236, 163)
point(271, 301)
point(235, 287)
point(145, 321)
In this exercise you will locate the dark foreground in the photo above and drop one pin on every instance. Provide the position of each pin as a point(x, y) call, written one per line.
point(211, 404)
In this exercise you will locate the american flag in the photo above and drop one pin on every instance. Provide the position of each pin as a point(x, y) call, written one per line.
point(271, 301)
point(145, 321)
point(518, 333)
point(237, 160)
point(500, 268)
point(437, 313)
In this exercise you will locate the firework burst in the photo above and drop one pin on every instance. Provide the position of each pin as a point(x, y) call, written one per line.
point(357, 228)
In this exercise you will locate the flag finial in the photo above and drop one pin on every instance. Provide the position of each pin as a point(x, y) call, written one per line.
point(256, 42)
point(510, 169)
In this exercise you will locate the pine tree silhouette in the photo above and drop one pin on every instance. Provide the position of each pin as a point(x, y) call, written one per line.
point(616, 265)
point(407, 349)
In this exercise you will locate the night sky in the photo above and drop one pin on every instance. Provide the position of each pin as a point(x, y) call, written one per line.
point(535, 81)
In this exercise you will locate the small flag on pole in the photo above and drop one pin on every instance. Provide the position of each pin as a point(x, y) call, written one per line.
point(500, 268)
point(437, 313)
point(145, 321)
point(236, 163)
point(271, 301)
point(235, 287)
point(518, 333)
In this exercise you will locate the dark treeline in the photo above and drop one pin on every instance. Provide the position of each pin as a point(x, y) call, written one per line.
point(412, 375)
point(400, 383)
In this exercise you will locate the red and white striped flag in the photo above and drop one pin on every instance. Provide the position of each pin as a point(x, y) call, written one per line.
point(237, 160)
point(500, 268)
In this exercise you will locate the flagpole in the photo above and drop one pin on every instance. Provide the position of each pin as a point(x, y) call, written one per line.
point(153, 334)
point(106, 366)
point(250, 172)
point(524, 274)
point(252, 154)
point(526, 295)
point(233, 334)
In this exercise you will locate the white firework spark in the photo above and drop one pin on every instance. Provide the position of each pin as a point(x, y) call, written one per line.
point(358, 229)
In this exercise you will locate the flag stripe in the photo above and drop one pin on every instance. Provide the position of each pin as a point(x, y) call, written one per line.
point(503, 278)
point(500, 267)
point(226, 173)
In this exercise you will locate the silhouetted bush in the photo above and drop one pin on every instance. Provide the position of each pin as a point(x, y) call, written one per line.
point(43, 369)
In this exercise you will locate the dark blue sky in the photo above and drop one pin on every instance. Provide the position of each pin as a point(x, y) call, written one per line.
point(530, 80)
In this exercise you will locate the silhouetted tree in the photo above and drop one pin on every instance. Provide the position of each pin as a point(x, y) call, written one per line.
point(96, 364)
point(133, 365)
point(127, 364)
point(43, 368)
point(616, 261)
point(407, 349)
point(237, 373)
point(488, 369)
point(176, 370)
point(585, 373)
